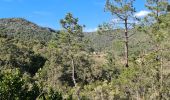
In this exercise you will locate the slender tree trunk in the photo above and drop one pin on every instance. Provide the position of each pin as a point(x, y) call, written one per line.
point(157, 11)
point(126, 43)
point(137, 95)
point(73, 72)
point(73, 78)
point(160, 48)
point(161, 73)
point(161, 69)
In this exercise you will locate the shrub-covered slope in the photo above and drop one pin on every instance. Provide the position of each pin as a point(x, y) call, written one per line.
point(24, 30)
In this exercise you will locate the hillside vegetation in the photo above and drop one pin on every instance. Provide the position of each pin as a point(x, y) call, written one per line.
point(38, 63)
point(24, 30)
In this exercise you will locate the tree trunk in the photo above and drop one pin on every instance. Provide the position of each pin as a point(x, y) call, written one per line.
point(73, 73)
point(161, 73)
point(73, 78)
point(161, 70)
point(126, 43)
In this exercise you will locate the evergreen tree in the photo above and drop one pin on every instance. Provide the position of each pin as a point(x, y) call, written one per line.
point(158, 33)
point(122, 10)
point(70, 44)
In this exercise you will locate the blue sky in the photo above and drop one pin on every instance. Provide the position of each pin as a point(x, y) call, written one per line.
point(49, 12)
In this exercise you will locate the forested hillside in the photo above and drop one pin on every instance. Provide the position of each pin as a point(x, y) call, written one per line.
point(24, 30)
point(38, 63)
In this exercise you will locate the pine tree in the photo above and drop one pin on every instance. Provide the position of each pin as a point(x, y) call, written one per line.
point(124, 11)
point(158, 8)
point(71, 43)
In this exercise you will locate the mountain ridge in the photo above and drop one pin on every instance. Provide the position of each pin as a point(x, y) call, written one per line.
point(24, 29)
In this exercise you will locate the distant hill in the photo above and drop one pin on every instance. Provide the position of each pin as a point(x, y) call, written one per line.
point(114, 41)
point(24, 30)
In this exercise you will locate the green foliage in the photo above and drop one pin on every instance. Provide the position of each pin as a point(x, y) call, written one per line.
point(14, 55)
point(15, 86)
point(121, 8)
point(23, 30)
point(67, 66)
point(71, 46)
point(50, 95)
point(168, 8)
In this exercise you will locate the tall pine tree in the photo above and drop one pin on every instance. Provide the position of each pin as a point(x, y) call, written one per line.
point(123, 10)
